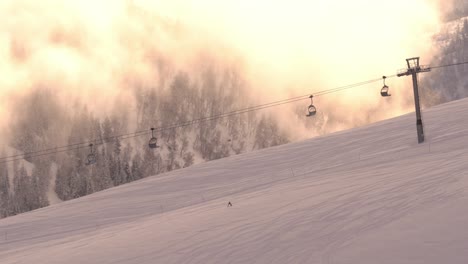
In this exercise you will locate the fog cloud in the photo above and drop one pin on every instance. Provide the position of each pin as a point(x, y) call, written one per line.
point(98, 51)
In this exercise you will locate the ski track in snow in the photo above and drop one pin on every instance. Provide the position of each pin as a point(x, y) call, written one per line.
point(367, 195)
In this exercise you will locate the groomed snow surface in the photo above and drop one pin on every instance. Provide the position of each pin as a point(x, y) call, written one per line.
point(368, 195)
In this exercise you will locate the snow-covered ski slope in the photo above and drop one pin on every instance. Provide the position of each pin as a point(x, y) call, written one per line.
point(367, 195)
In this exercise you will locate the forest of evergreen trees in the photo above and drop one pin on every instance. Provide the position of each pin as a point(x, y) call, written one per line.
point(44, 121)
point(457, 10)
point(451, 83)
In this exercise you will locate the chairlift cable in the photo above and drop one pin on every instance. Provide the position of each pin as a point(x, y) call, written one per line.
point(85, 144)
point(81, 145)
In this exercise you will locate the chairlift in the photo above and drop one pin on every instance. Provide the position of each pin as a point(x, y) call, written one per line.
point(385, 89)
point(91, 159)
point(312, 110)
point(153, 142)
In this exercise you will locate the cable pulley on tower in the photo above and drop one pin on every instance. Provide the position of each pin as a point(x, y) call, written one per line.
point(312, 110)
point(153, 142)
point(91, 159)
point(385, 89)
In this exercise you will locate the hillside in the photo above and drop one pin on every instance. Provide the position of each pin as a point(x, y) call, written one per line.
point(367, 195)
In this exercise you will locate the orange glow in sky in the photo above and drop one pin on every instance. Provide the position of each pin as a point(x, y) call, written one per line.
point(288, 46)
point(307, 39)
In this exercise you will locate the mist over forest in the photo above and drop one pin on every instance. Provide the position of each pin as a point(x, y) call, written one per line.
point(86, 78)
point(451, 83)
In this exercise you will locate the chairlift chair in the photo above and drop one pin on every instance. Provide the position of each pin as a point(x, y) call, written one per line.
point(153, 142)
point(385, 89)
point(91, 158)
point(312, 110)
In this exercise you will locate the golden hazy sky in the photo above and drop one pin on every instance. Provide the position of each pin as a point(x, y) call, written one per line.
point(83, 47)
point(296, 37)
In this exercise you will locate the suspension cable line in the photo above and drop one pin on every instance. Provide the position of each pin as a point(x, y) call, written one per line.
point(85, 144)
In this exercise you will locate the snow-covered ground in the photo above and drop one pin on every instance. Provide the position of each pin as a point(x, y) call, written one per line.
point(52, 196)
point(367, 195)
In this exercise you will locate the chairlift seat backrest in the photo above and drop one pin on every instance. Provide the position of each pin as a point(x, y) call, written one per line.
point(91, 159)
point(312, 110)
point(384, 91)
point(153, 143)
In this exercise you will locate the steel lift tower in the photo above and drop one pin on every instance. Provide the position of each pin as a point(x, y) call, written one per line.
point(413, 69)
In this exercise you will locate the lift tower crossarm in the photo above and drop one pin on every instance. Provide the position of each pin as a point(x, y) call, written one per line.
point(413, 69)
point(406, 72)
